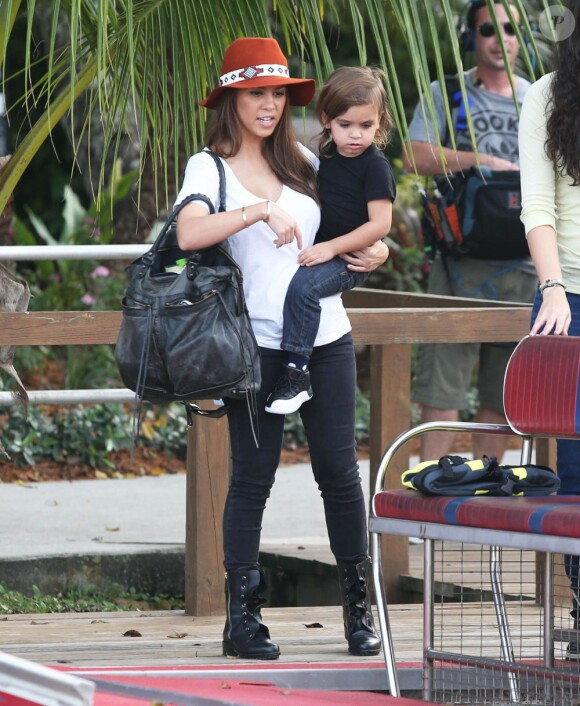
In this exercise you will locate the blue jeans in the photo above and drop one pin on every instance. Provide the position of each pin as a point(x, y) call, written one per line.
point(568, 450)
point(329, 419)
point(302, 304)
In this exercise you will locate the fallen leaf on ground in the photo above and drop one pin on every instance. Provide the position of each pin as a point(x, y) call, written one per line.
point(132, 633)
point(158, 472)
point(313, 625)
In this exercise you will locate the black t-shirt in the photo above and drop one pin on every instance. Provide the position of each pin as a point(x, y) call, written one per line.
point(346, 185)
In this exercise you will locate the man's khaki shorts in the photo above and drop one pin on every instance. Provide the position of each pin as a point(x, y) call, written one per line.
point(443, 372)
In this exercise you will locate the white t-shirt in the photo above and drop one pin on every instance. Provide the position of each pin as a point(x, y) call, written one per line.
point(267, 270)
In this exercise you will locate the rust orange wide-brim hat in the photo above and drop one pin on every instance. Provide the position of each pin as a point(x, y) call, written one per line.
point(257, 61)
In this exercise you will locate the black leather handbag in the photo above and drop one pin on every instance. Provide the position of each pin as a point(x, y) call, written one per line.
point(186, 334)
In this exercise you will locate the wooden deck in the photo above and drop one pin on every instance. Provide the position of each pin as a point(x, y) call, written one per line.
point(306, 635)
point(172, 644)
point(172, 639)
point(314, 655)
point(98, 645)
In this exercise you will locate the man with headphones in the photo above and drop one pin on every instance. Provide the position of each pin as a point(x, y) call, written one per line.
point(444, 371)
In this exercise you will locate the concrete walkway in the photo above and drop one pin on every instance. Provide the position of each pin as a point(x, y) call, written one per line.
point(65, 518)
point(141, 514)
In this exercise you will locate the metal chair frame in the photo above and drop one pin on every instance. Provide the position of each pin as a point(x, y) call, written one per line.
point(431, 532)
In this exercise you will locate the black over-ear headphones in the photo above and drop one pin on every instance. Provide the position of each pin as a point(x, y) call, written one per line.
point(466, 29)
point(466, 25)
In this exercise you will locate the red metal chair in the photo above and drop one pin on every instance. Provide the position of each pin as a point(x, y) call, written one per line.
point(541, 399)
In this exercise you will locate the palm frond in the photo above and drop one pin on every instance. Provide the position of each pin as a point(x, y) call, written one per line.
point(144, 64)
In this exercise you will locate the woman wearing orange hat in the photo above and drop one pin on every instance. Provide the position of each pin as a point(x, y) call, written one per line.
point(273, 211)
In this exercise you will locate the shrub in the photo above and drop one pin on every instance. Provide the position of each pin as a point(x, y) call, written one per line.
point(87, 434)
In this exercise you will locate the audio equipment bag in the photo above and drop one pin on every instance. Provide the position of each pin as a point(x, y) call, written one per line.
point(475, 212)
point(186, 333)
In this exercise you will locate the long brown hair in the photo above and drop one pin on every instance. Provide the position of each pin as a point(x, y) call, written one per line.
point(350, 86)
point(563, 124)
point(291, 166)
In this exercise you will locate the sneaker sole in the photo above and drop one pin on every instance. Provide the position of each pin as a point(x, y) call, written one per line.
point(289, 406)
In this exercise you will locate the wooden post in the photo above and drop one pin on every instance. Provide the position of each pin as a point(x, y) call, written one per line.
point(208, 472)
point(390, 385)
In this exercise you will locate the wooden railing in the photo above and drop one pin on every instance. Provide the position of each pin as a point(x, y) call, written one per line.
point(389, 322)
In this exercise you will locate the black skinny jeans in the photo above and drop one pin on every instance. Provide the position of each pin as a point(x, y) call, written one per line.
point(328, 419)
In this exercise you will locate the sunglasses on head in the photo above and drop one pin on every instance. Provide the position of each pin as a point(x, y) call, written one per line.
point(487, 29)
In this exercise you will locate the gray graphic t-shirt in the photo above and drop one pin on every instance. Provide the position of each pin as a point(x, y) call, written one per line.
point(494, 117)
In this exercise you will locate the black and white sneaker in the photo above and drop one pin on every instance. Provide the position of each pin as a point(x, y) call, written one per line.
point(290, 392)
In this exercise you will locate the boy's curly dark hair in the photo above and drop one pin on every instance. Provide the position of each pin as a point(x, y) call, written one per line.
point(563, 123)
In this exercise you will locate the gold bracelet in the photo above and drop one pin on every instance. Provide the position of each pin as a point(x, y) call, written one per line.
point(268, 211)
point(245, 217)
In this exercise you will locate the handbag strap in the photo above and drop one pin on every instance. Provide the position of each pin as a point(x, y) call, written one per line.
point(222, 176)
point(159, 240)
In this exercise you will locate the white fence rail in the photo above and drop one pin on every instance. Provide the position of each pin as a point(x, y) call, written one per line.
point(72, 252)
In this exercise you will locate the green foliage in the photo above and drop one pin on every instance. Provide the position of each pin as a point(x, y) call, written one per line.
point(76, 601)
point(69, 285)
point(294, 434)
point(93, 367)
point(87, 434)
point(406, 269)
point(86, 599)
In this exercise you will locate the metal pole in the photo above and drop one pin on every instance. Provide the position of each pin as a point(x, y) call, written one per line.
point(502, 618)
point(72, 252)
point(383, 613)
point(115, 395)
point(428, 616)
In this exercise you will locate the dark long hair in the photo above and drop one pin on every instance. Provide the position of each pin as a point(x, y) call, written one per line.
point(281, 150)
point(563, 124)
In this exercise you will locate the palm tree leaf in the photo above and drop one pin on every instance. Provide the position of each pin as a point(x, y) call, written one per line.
point(146, 63)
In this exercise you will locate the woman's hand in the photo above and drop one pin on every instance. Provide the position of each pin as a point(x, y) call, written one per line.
point(284, 226)
point(554, 315)
point(367, 259)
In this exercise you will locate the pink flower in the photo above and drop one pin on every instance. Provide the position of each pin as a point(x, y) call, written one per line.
point(100, 271)
point(87, 299)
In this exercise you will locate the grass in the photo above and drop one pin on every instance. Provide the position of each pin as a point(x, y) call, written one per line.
point(83, 600)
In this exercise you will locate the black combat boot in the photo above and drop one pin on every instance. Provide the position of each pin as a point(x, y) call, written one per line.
point(359, 628)
point(245, 635)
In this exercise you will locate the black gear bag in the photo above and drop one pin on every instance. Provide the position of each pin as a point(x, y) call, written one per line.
point(457, 476)
point(476, 212)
